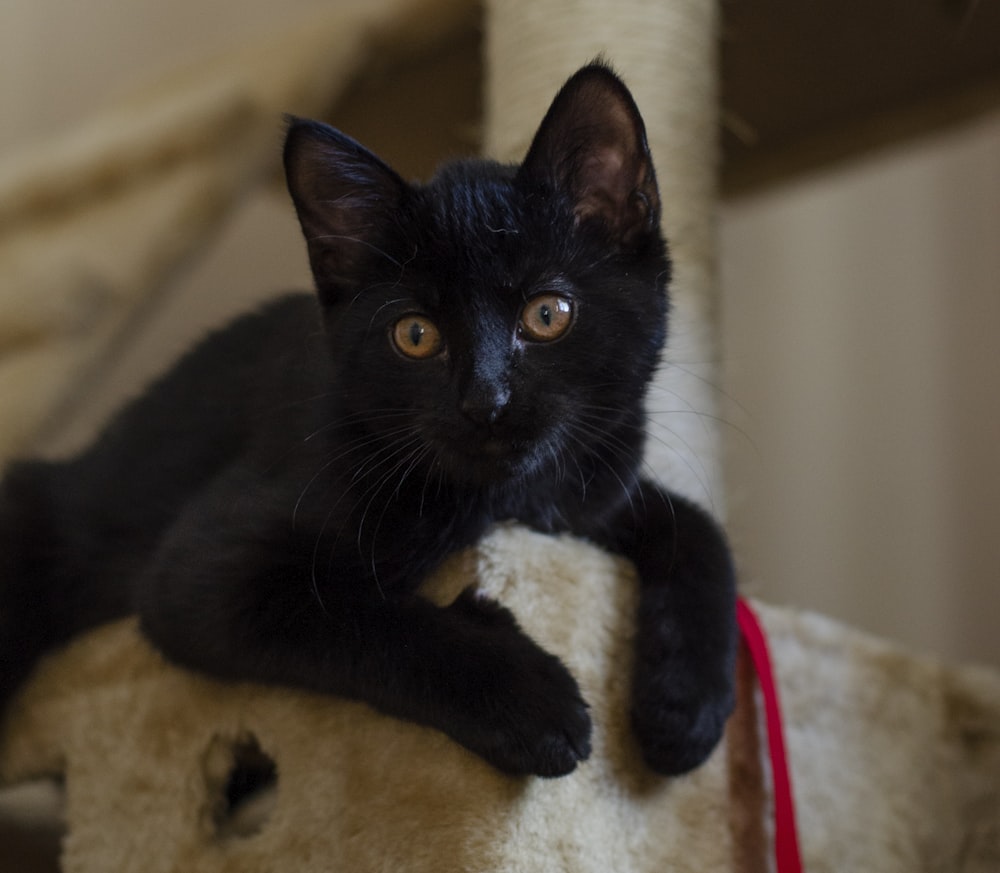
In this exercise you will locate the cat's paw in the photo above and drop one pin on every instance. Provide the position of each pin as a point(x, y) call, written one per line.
point(677, 733)
point(529, 716)
point(541, 724)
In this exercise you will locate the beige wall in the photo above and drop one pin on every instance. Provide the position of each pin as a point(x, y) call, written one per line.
point(862, 337)
point(861, 310)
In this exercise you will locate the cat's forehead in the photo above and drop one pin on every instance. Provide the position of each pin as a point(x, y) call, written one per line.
point(472, 201)
point(473, 219)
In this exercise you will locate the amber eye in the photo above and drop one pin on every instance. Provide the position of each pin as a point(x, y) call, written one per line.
point(416, 337)
point(547, 318)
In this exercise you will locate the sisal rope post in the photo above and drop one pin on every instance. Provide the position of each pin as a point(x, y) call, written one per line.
point(666, 52)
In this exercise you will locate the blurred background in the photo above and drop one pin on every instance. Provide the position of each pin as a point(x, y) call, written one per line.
point(861, 311)
point(859, 380)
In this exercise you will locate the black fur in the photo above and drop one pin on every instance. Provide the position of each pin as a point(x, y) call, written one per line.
point(271, 505)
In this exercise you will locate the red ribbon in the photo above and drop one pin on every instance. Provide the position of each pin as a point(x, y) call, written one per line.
point(786, 841)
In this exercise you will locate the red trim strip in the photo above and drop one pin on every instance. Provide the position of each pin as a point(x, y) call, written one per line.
point(786, 841)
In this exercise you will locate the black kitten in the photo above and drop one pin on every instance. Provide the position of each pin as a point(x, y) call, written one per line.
point(271, 505)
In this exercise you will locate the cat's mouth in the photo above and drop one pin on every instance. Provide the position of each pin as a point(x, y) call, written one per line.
point(491, 449)
point(489, 459)
point(495, 448)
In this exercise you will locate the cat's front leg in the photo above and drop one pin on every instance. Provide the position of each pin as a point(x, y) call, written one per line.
point(515, 704)
point(236, 597)
point(686, 634)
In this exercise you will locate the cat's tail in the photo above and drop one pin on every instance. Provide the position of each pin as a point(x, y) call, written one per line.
point(26, 543)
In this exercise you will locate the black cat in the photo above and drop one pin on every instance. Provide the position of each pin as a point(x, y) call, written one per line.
point(480, 351)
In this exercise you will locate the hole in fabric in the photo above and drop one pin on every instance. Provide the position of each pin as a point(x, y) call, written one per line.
point(242, 781)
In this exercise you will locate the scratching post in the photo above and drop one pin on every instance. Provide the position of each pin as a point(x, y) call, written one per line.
point(666, 52)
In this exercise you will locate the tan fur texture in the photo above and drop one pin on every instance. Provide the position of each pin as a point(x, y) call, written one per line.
point(895, 759)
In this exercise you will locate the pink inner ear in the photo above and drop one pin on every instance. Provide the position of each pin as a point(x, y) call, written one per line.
point(605, 169)
point(606, 186)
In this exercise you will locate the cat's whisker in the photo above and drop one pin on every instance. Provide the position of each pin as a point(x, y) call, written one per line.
point(314, 561)
point(422, 453)
point(293, 404)
point(714, 386)
point(655, 421)
point(558, 461)
point(695, 467)
point(563, 450)
point(576, 431)
point(619, 447)
point(333, 546)
point(350, 448)
point(432, 467)
point(335, 425)
point(690, 459)
point(384, 455)
point(344, 492)
point(326, 237)
point(351, 420)
point(385, 305)
point(411, 460)
point(374, 491)
point(655, 414)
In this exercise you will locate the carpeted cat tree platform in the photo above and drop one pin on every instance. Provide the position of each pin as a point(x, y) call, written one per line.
point(895, 759)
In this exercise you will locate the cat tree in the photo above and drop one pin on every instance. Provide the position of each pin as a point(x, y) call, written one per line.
point(896, 759)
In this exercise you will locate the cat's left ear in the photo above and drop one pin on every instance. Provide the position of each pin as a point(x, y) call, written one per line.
point(591, 146)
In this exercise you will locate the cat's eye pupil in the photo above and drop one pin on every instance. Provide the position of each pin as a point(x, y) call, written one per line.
point(547, 318)
point(416, 336)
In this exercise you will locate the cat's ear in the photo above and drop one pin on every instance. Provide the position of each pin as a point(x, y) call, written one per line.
point(591, 146)
point(346, 199)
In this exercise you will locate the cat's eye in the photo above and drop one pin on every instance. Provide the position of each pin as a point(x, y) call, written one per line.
point(547, 318)
point(416, 336)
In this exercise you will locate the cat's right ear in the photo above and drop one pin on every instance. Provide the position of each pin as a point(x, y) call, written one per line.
point(346, 199)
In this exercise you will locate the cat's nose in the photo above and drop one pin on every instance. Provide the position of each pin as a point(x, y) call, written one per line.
point(486, 405)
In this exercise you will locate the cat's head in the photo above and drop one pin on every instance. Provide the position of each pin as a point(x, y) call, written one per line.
point(504, 318)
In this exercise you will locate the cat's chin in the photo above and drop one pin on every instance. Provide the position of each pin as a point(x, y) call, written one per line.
point(491, 463)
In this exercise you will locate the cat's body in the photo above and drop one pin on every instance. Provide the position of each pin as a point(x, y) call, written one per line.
point(270, 506)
